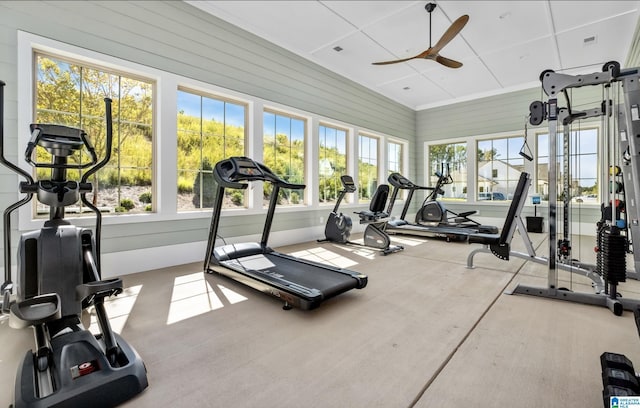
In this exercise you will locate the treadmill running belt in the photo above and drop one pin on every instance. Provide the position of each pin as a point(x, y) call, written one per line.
point(280, 268)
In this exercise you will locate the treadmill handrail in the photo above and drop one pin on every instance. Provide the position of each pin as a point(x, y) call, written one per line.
point(399, 182)
point(230, 171)
point(403, 183)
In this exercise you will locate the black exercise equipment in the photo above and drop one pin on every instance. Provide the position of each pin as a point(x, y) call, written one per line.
point(297, 282)
point(338, 228)
point(432, 220)
point(611, 268)
point(525, 150)
point(433, 212)
point(619, 377)
point(58, 277)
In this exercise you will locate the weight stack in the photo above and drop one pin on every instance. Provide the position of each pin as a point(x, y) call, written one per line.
point(611, 256)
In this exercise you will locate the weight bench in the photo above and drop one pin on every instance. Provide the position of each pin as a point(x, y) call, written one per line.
point(500, 244)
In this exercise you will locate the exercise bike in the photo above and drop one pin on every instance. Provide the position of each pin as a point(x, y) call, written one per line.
point(339, 225)
point(433, 212)
point(58, 276)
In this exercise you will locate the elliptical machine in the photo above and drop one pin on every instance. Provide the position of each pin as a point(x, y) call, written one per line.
point(339, 225)
point(58, 276)
point(433, 212)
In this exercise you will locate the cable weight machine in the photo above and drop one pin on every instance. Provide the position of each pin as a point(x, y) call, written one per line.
point(610, 243)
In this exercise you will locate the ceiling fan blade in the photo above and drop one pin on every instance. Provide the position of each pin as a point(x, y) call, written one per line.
point(448, 62)
point(395, 61)
point(451, 32)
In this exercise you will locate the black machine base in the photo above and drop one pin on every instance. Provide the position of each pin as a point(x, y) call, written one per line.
point(81, 374)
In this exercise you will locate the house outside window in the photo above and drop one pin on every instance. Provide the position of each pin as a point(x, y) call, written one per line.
point(583, 167)
point(451, 159)
point(499, 166)
point(332, 164)
point(367, 167)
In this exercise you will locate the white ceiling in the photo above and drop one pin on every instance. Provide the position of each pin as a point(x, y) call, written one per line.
point(504, 47)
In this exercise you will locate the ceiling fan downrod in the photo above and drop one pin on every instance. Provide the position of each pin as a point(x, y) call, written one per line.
point(430, 7)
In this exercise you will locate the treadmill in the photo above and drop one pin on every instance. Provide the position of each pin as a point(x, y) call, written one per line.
point(298, 282)
point(450, 232)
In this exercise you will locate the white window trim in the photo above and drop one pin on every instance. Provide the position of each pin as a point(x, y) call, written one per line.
point(165, 128)
point(472, 146)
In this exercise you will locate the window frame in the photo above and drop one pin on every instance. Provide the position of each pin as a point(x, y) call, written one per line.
point(225, 99)
point(164, 123)
point(36, 53)
point(348, 151)
point(509, 181)
point(430, 178)
point(306, 194)
point(588, 126)
point(529, 167)
point(380, 162)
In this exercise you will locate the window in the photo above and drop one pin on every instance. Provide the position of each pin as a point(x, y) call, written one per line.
point(499, 167)
point(367, 167)
point(394, 158)
point(70, 93)
point(449, 159)
point(333, 162)
point(583, 165)
point(208, 130)
point(283, 153)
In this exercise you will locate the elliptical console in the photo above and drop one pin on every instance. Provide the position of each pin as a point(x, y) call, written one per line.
point(58, 277)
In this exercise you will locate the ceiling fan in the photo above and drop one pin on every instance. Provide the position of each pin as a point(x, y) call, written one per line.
point(433, 53)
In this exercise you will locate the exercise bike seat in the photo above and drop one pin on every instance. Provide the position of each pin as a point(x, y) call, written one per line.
point(34, 311)
point(376, 207)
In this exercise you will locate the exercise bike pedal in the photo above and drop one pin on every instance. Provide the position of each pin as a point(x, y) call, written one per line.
point(34, 311)
point(98, 290)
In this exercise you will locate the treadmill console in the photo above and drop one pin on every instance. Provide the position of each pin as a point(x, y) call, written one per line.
point(229, 172)
point(244, 166)
point(399, 181)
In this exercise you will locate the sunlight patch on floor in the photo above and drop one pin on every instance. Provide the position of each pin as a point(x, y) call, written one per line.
point(325, 256)
point(365, 252)
point(192, 296)
point(407, 241)
point(118, 309)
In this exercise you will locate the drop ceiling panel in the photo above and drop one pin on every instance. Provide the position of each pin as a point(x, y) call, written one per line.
point(608, 44)
point(363, 13)
point(299, 26)
point(571, 14)
point(355, 59)
point(473, 78)
point(421, 91)
point(521, 65)
point(496, 25)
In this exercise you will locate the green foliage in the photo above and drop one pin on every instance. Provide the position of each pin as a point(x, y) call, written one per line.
point(185, 186)
point(73, 95)
point(203, 186)
point(237, 198)
point(145, 197)
point(203, 142)
point(127, 204)
point(148, 208)
point(367, 180)
point(120, 209)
